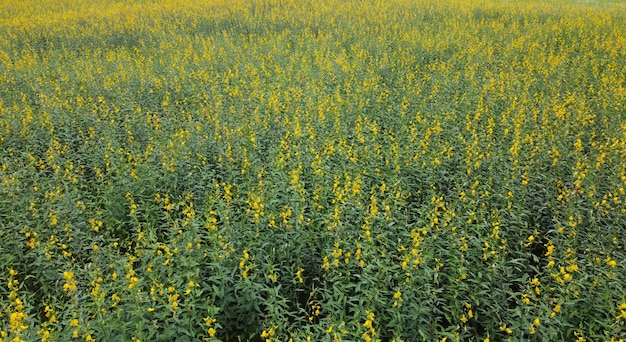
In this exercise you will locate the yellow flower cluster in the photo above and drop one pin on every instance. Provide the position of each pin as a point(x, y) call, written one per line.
point(18, 319)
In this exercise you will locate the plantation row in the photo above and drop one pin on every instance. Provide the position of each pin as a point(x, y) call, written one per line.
point(285, 170)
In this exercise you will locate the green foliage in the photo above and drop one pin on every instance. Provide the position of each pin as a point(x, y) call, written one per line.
point(317, 170)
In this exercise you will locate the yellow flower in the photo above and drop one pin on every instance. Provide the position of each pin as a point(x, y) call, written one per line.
point(115, 298)
point(531, 238)
point(70, 282)
point(299, 275)
point(611, 262)
point(133, 282)
point(16, 321)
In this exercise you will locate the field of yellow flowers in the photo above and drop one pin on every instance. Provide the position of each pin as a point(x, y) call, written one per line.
point(328, 170)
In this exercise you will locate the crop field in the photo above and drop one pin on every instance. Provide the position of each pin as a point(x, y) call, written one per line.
point(317, 170)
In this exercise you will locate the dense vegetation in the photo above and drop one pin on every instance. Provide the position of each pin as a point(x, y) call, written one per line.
point(312, 170)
